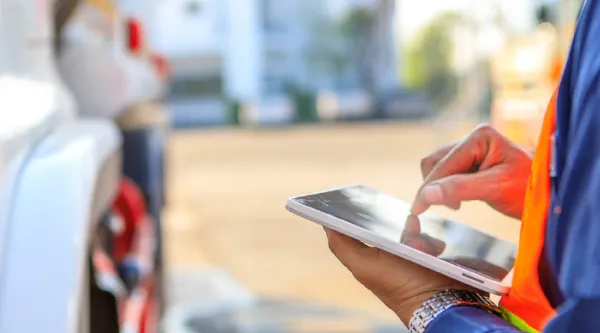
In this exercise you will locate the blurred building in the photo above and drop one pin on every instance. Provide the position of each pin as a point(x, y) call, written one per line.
point(244, 47)
point(250, 49)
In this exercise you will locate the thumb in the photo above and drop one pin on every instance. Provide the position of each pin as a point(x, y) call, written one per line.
point(452, 190)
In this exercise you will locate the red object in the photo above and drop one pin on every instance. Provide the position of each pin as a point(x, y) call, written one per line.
point(135, 31)
point(131, 208)
point(132, 310)
point(138, 311)
point(134, 243)
point(149, 319)
point(162, 65)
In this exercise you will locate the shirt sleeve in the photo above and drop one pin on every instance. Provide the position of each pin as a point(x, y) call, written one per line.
point(469, 320)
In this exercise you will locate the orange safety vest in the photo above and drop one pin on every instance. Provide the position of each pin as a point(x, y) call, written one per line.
point(526, 304)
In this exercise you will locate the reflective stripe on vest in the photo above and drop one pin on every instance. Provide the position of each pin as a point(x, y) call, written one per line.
point(526, 300)
point(518, 322)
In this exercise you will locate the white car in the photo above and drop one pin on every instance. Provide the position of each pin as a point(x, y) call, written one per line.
point(58, 176)
point(107, 76)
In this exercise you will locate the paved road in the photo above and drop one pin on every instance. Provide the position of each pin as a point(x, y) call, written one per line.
point(227, 190)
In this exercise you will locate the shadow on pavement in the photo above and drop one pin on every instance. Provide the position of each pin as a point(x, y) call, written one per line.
point(210, 301)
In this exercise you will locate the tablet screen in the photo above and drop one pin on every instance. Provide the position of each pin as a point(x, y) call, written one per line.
point(389, 218)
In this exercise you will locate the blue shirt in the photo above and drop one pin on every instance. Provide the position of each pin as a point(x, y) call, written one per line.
point(572, 248)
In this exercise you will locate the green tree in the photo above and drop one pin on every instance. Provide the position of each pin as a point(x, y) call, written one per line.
point(428, 63)
point(357, 27)
point(326, 48)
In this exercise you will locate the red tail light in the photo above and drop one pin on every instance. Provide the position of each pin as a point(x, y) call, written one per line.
point(135, 31)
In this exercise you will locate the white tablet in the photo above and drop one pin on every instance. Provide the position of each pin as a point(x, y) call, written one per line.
point(469, 256)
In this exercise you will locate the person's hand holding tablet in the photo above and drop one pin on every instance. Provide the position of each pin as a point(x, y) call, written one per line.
point(400, 284)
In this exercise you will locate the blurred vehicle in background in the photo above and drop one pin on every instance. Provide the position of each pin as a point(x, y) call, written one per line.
point(403, 104)
point(115, 63)
point(80, 243)
point(59, 176)
point(105, 62)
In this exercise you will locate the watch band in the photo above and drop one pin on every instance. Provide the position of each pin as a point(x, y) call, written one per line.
point(445, 300)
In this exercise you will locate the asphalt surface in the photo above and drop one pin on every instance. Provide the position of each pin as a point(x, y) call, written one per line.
point(228, 187)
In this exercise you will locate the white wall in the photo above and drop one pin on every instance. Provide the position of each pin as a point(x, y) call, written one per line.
point(234, 31)
point(180, 33)
point(243, 51)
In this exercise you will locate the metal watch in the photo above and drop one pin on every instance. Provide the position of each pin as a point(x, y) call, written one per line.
point(445, 300)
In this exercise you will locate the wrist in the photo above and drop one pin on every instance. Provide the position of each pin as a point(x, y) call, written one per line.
point(445, 300)
point(406, 308)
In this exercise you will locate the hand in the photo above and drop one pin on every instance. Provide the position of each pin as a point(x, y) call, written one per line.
point(412, 236)
point(400, 284)
point(484, 166)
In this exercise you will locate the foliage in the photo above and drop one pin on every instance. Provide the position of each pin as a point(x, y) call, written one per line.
point(358, 26)
point(327, 50)
point(429, 60)
point(304, 102)
point(233, 111)
point(349, 47)
point(358, 23)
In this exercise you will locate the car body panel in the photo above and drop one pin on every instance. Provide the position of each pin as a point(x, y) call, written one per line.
point(70, 177)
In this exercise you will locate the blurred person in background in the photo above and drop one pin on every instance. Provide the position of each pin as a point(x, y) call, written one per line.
point(556, 193)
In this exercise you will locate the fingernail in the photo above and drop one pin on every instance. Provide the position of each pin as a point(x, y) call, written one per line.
point(455, 205)
point(433, 193)
point(326, 231)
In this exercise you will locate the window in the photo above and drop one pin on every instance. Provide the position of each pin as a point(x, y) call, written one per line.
point(196, 87)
